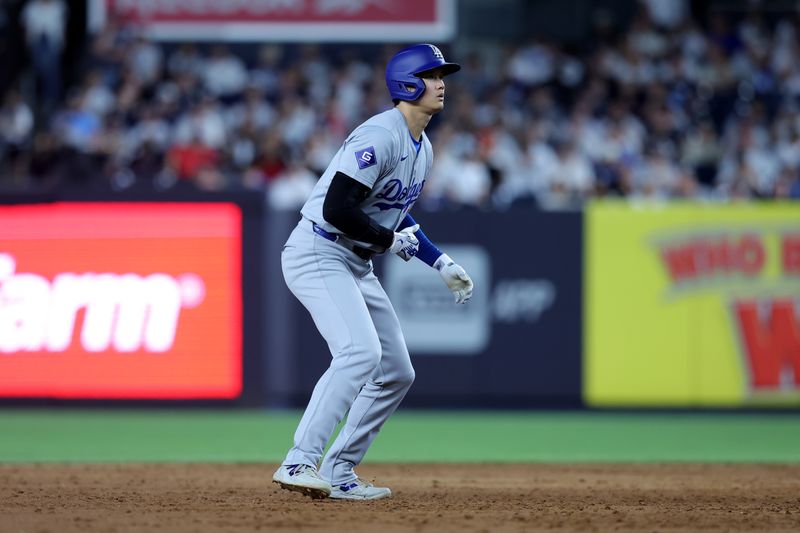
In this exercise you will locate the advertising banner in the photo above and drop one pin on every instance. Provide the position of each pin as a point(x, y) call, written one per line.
point(282, 20)
point(692, 305)
point(120, 301)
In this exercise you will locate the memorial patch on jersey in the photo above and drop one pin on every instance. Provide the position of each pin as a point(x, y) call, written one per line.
point(366, 157)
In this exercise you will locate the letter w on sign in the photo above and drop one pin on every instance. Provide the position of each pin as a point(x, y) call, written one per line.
point(771, 341)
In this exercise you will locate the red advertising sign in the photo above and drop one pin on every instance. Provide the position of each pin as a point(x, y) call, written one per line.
point(120, 300)
point(284, 20)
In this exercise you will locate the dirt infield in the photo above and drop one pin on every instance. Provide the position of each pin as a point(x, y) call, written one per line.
point(203, 497)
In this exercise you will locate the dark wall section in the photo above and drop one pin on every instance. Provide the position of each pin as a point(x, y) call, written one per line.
point(517, 343)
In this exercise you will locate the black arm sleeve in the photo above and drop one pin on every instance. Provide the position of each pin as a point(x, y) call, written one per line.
point(342, 209)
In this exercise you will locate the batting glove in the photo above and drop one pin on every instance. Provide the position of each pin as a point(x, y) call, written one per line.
point(455, 277)
point(405, 244)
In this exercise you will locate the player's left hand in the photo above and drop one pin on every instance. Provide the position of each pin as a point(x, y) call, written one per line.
point(455, 277)
point(406, 244)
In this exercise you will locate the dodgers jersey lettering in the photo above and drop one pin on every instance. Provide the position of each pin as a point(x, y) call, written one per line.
point(380, 154)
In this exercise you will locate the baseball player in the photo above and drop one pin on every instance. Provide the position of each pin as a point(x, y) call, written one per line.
point(359, 208)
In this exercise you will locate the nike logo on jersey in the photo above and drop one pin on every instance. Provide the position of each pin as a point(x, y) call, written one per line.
point(404, 157)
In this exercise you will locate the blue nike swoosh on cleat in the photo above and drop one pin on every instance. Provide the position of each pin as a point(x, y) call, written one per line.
point(404, 157)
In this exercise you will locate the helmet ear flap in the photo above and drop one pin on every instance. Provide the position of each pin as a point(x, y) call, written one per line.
point(408, 89)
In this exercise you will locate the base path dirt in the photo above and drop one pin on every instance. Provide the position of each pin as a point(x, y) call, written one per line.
point(216, 497)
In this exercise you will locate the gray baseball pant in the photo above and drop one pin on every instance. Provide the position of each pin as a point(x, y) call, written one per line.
point(370, 371)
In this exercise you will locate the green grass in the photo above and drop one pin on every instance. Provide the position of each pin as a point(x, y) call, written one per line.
point(32, 435)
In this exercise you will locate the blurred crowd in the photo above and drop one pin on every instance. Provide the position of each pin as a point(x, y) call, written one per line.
point(669, 107)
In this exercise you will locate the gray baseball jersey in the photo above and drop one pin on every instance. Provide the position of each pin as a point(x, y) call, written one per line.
point(381, 154)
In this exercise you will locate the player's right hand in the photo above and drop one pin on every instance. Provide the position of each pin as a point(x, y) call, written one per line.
point(405, 244)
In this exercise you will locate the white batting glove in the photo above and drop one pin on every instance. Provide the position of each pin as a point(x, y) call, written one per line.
point(405, 244)
point(455, 277)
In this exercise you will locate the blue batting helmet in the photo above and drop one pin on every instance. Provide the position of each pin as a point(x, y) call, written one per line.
point(403, 70)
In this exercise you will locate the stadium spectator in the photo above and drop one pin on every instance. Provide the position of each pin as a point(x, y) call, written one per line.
point(16, 131)
point(145, 61)
point(460, 176)
point(571, 180)
point(204, 121)
point(187, 159)
point(701, 151)
point(224, 75)
point(272, 158)
point(45, 23)
point(185, 60)
point(290, 189)
point(77, 125)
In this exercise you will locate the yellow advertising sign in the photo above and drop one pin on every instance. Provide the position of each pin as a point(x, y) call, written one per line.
point(692, 305)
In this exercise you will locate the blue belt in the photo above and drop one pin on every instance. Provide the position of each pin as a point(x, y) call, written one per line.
point(360, 251)
point(324, 234)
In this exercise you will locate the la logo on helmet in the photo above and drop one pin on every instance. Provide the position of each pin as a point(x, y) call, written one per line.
point(436, 52)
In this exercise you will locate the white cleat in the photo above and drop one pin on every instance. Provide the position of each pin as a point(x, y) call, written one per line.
point(359, 490)
point(303, 479)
